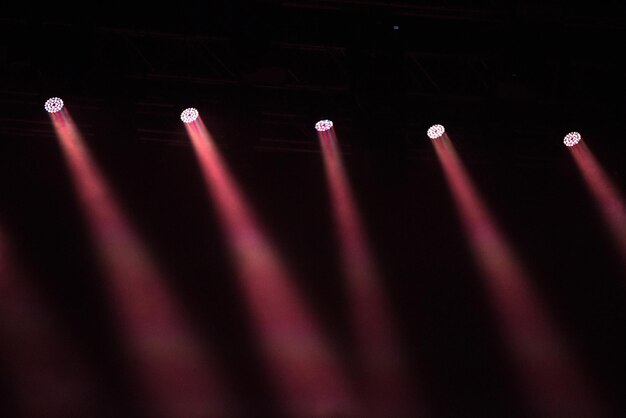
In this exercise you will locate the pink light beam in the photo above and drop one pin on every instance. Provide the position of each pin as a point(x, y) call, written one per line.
point(176, 378)
point(608, 198)
point(308, 378)
point(552, 382)
point(49, 376)
point(386, 386)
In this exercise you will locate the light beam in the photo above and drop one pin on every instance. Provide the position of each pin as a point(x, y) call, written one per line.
point(49, 376)
point(176, 377)
point(308, 377)
point(386, 388)
point(550, 375)
point(607, 196)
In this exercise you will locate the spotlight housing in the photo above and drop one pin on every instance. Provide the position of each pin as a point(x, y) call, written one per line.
point(435, 131)
point(53, 105)
point(189, 115)
point(571, 139)
point(324, 125)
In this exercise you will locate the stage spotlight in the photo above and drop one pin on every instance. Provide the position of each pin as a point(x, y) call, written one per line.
point(189, 115)
point(53, 105)
point(435, 131)
point(324, 125)
point(571, 139)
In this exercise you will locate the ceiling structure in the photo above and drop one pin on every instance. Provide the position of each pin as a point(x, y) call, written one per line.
point(528, 67)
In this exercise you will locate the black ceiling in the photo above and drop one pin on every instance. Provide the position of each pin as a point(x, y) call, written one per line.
point(531, 68)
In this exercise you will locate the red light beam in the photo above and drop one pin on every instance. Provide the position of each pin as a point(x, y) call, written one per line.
point(308, 377)
point(550, 375)
point(608, 198)
point(176, 377)
point(49, 376)
point(386, 384)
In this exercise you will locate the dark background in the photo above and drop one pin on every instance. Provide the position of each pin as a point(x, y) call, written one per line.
point(508, 80)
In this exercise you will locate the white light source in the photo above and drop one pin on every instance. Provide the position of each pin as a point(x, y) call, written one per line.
point(53, 105)
point(189, 115)
point(435, 131)
point(571, 139)
point(324, 125)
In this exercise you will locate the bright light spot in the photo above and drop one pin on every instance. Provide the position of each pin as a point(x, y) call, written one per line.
point(435, 131)
point(53, 105)
point(324, 125)
point(189, 115)
point(571, 139)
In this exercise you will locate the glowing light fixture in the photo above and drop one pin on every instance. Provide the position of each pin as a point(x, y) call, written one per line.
point(189, 115)
point(571, 139)
point(324, 125)
point(53, 105)
point(435, 131)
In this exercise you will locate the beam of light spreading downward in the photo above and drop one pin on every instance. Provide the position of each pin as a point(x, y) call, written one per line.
point(550, 375)
point(174, 374)
point(307, 375)
point(49, 376)
point(386, 384)
point(608, 198)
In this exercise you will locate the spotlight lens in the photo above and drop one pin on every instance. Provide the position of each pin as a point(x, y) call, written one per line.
point(571, 139)
point(324, 125)
point(53, 105)
point(435, 131)
point(189, 115)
